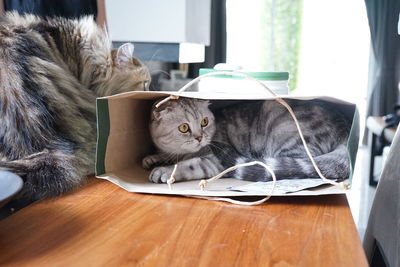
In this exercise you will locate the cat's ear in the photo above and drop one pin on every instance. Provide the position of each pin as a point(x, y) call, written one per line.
point(123, 57)
point(158, 113)
point(205, 103)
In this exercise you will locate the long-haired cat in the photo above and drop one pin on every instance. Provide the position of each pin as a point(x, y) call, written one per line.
point(205, 142)
point(51, 71)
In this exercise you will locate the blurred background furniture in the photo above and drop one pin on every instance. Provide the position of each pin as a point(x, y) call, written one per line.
point(174, 38)
point(382, 237)
point(166, 31)
point(376, 127)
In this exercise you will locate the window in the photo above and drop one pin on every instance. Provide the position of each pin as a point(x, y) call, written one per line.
point(323, 44)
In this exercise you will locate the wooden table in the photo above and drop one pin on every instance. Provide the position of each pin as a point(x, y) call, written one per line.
point(103, 225)
point(376, 126)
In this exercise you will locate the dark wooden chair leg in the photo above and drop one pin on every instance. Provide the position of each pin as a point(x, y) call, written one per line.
point(372, 153)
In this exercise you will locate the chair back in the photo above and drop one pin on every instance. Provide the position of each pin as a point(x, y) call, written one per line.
point(382, 237)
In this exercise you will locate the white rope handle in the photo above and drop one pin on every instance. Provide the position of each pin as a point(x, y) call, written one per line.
point(203, 183)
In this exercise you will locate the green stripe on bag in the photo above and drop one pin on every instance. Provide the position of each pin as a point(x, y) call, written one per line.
point(103, 131)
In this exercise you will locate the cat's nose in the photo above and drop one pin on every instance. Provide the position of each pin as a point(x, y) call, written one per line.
point(199, 138)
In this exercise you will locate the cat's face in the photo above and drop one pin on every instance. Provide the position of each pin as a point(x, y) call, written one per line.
point(125, 73)
point(129, 69)
point(182, 126)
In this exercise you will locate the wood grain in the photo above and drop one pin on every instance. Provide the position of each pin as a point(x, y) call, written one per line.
point(103, 225)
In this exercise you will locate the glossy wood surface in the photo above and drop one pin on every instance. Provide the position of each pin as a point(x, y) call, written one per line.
point(103, 225)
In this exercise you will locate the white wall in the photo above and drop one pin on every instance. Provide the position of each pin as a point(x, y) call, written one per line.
point(159, 21)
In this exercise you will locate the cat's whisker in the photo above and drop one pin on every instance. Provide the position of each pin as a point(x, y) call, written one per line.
point(216, 146)
point(163, 72)
point(169, 157)
point(154, 54)
point(213, 145)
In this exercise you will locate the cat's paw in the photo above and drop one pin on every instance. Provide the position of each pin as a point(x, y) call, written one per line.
point(160, 174)
point(149, 161)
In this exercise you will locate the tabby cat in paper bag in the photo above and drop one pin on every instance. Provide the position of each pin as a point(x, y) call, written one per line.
point(51, 71)
point(204, 143)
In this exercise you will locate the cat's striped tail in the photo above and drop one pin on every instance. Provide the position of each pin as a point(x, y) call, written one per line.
point(47, 173)
point(334, 165)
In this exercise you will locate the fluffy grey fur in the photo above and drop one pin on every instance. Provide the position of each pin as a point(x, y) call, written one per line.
point(51, 71)
point(245, 131)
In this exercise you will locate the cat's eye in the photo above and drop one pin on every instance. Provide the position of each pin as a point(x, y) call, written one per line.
point(184, 128)
point(204, 122)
